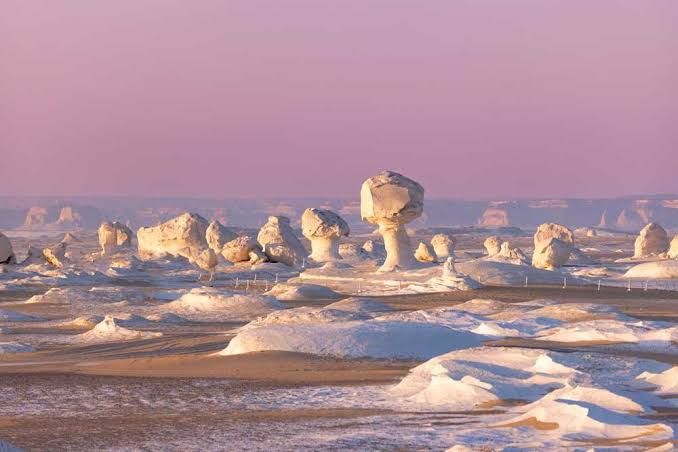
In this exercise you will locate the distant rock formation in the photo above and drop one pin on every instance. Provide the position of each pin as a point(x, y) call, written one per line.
point(55, 255)
point(443, 246)
point(652, 241)
point(279, 242)
point(423, 253)
point(673, 248)
point(181, 236)
point(494, 217)
point(36, 217)
point(323, 228)
point(391, 200)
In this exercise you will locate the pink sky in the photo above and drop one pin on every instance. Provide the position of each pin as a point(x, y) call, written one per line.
point(490, 98)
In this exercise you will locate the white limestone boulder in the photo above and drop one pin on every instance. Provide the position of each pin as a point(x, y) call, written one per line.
point(217, 235)
point(652, 241)
point(181, 236)
point(673, 248)
point(551, 254)
point(443, 246)
point(391, 200)
point(423, 253)
point(279, 242)
point(243, 249)
point(492, 245)
point(113, 236)
point(323, 228)
point(547, 231)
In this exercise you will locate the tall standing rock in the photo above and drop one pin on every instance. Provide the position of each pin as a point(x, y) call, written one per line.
point(391, 200)
point(651, 241)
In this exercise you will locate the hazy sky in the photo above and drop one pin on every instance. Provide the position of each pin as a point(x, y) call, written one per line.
point(475, 98)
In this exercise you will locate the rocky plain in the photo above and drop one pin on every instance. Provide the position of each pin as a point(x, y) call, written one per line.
point(385, 322)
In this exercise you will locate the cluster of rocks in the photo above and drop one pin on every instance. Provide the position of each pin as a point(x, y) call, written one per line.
point(502, 251)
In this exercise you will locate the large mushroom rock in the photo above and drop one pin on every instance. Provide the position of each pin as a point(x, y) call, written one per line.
point(423, 253)
point(217, 235)
point(492, 245)
point(651, 241)
point(243, 249)
point(551, 254)
point(55, 255)
point(443, 246)
point(323, 228)
point(113, 236)
point(547, 231)
point(279, 242)
point(391, 200)
point(673, 248)
point(181, 236)
point(6, 252)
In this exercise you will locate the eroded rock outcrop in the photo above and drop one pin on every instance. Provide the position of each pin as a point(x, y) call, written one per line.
point(113, 236)
point(492, 245)
point(443, 246)
point(181, 236)
point(391, 200)
point(553, 230)
point(243, 249)
point(55, 255)
point(6, 252)
point(652, 241)
point(279, 242)
point(551, 254)
point(323, 228)
point(423, 253)
point(217, 235)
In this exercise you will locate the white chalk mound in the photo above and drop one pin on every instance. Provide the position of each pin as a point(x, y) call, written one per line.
point(664, 382)
point(667, 269)
point(324, 229)
point(279, 242)
point(508, 274)
point(359, 304)
point(391, 200)
point(551, 254)
point(443, 246)
point(217, 235)
point(302, 292)
point(109, 331)
point(219, 305)
point(371, 338)
point(423, 253)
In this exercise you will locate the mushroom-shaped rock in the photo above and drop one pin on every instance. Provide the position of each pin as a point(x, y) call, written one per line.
point(113, 236)
point(6, 251)
point(673, 248)
point(443, 246)
point(174, 237)
point(651, 241)
point(242, 249)
point(55, 255)
point(423, 253)
point(217, 235)
point(492, 245)
point(551, 254)
point(279, 242)
point(547, 231)
point(323, 228)
point(391, 200)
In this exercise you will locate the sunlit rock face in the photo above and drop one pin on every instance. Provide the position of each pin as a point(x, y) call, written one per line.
point(492, 245)
point(56, 255)
point(443, 246)
point(673, 248)
point(551, 254)
point(113, 236)
point(180, 236)
point(6, 251)
point(652, 241)
point(324, 229)
point(217, 235)
point(243, 249)
point(391, 200)
point(547, 231)
point(423, 253)
point(279, 242)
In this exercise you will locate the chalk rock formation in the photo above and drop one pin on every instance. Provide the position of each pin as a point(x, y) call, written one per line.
point(673, 248)
point(279, 242)
point(374, 249)
point(180, 236)
point(36, 217)
point(492, 245)
point(512, 253)
point(55, 255)
point(423, 253)
point(243, 249)
point(391, 200)
point(6, 251)
point(69, 216)
point(553, 230)
point(551, 254)
point(113, 236)
point(217, 235)
point(205, 259)
point(443, 246)
point(323, 228)
point(652, 241)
